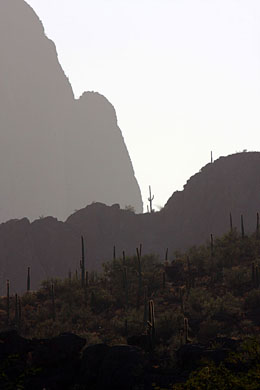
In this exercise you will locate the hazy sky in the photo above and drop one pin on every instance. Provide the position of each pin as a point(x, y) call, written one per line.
point(183, 76)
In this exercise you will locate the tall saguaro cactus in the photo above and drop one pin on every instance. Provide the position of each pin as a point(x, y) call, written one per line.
point(151, 324)
point(53, 302)
point(230, 222)
point(16, 311)
point(28, 279)
point(150, 199)
point(211, 246)
point(7, 302)
point(114, 252)
point(140, 279)
point(86, 289)
point(242, 226)
point(166, 257)
point(125, 283)
point(257, 225)
point(82, 262)
point(145, 307)
point(186, 330)
point(19, 311)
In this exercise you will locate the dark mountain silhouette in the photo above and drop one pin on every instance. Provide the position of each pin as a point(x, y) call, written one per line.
point(51, 248)
point(57, 154)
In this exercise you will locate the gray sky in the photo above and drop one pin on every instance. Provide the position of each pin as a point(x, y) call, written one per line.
point(183, 76)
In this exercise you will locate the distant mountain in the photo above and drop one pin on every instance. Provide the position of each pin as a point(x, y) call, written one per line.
point(229, 185)
point(57, 154)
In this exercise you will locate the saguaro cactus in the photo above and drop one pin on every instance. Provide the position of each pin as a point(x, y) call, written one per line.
point(230, 222)
point(166, 258)
point(211, 245)
point(150, 199)
point(86, 279)
point(125, 283)
point(145, 307)
point(151, 324)
point(53, 302)
point(28, 279)
point(7, 302)
point(140, 280)
point(140, 250)
point(86, 288)
point(114, 252)
point(186, 330)
point(181, 295)
point(16, 318)
point(82, 263)
point(19, 311)
point(242, 226)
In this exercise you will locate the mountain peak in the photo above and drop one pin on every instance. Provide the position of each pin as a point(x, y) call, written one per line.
point(57, 154)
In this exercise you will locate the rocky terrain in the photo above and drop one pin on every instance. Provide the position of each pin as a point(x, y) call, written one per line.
point(50, 247)
point(65, 362)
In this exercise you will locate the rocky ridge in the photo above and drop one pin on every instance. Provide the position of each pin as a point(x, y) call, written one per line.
point(50, 247)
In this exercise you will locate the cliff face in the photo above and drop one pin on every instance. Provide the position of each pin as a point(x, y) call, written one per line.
point(57, 154)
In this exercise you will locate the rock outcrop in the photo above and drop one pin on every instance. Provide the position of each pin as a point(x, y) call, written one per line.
point(64, 362)
point(230, 185)
point(57, 154)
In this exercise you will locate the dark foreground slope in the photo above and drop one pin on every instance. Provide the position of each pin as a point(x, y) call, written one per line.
point(57, 154)
point(202, 331)
point(51, 248)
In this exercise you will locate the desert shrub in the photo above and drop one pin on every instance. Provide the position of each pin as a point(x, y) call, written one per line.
point(212, 377)
point(237, 279)
point(100, 300)
point(209, 330)
point(252, 300)
point(168, 325)
point(198, 256)
point(29, 298)
point(135, 321)
point(226, 307)
point(200, 303)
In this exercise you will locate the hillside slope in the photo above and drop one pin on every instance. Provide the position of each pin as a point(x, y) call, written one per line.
point(51, 248)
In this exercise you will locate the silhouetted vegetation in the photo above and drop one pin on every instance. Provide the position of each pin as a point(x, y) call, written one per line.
point(210, 292)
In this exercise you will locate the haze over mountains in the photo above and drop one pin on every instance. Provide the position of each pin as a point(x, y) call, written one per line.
point(57, 154)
